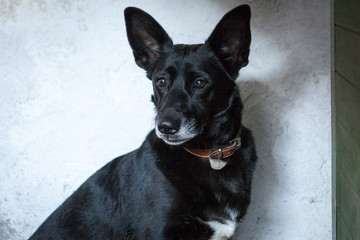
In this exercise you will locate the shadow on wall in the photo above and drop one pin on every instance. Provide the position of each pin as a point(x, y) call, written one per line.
point(259, 117)
point(263, 113)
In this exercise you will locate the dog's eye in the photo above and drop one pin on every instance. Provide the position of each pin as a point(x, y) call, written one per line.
point(161, 82)
point(200, 83)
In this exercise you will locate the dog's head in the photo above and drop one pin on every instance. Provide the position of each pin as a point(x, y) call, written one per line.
point(192, 83)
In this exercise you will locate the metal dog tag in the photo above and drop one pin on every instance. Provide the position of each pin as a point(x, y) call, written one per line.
point(217, 164)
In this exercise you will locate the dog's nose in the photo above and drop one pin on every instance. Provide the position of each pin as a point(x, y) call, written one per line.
point(168, 127)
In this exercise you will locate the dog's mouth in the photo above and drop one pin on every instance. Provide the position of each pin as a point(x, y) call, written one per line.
point(174, 141)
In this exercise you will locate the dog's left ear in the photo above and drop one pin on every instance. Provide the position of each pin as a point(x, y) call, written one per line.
point(231, 39)
point(146, 37)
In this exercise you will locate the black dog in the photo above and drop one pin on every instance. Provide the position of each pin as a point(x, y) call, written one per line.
point(191, 177)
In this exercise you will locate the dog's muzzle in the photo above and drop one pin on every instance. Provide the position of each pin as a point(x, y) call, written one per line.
point(175, 132)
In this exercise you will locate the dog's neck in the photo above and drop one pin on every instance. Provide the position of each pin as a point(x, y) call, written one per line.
point(221, 128)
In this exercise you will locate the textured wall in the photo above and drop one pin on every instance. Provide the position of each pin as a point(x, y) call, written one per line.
point(71, 99)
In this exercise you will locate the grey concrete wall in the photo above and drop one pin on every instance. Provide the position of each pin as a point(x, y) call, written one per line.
point(72, 99)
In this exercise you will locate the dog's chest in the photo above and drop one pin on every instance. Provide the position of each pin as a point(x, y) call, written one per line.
point(224, 226)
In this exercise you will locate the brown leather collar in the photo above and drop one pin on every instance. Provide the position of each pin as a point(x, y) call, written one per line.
point(216, 155)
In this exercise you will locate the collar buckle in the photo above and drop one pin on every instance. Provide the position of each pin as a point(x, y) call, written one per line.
point(238, 142)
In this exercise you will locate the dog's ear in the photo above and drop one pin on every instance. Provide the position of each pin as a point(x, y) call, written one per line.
point(146, 37)
point(231, 39)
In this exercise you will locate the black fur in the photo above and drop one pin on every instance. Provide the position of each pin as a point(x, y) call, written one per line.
point(160, 191)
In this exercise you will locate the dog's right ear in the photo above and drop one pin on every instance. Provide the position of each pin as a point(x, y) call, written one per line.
point(146, 37)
